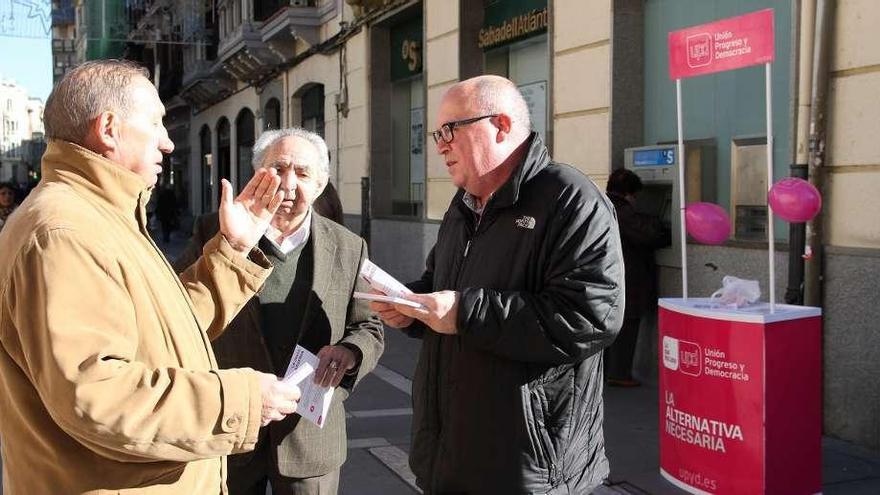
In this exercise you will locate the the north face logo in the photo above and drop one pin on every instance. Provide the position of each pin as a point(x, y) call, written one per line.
point(525, 222)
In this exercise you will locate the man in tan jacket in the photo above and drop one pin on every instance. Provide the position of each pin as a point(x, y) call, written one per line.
point(107, 379)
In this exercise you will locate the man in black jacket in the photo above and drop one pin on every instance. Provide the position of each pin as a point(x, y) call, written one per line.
point(522, 292)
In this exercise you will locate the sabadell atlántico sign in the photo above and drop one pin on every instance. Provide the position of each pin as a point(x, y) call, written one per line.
point(519, 26)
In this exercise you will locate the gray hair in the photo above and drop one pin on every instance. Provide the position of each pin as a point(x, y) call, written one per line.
point(269, 138)
point(85, 92)
point(495, 94)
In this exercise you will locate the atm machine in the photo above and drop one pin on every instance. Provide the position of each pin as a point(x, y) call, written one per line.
point(657, 166)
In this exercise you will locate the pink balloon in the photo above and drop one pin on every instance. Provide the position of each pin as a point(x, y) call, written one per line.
point(794, 200)
point(708, 223)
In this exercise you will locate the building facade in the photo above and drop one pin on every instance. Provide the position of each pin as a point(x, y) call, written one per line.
point(22, 130)
point(63, 38)
point(369, 76)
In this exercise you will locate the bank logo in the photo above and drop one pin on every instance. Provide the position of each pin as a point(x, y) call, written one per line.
point(699, 50)
point(670, 352)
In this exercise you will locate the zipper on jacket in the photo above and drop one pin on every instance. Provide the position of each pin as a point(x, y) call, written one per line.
point(467, 247)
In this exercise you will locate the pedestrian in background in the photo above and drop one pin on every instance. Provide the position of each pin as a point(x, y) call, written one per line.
point(306, 301)
point(521, 293)
point(108, 383)
point(166, 212)
point(641, 234)
point(7, 202)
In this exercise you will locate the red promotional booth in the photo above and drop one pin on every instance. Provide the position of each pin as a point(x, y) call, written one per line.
point(740, 397)
point(740, 383)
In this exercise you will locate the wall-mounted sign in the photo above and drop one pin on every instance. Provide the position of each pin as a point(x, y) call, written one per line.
point(411, 53)
point(406, 49)
point(505, 21)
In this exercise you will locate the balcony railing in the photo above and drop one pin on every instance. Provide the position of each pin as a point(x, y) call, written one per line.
point(296, 20)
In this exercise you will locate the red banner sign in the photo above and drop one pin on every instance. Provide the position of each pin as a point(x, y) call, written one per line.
point(722, 45)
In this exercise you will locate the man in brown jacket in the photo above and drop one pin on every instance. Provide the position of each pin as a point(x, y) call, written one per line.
point(107, 379)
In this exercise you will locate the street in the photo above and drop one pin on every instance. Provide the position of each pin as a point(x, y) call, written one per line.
point(379, 416)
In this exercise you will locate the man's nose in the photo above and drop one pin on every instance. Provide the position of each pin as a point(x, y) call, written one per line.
point(288, 179)
point(165, 143)
point(442, 146)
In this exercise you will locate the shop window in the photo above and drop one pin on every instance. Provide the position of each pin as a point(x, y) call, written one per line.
point(408, 147)
point(272, 114)
point(224, 157)
point(526, 63)
point(312, 109)
point(398, 137)
point(244, 139)
point(748, 179)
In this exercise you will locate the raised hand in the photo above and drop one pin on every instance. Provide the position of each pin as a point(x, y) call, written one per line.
point(244, 220)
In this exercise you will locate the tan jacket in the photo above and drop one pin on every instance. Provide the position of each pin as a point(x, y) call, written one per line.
point(107, 380)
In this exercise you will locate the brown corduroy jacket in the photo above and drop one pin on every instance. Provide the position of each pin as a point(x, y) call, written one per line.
point(108, 383)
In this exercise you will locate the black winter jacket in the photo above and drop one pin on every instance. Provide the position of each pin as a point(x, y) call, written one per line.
point(513, 403)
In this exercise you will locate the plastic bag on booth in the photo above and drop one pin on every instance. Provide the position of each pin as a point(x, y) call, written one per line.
point(736, 292)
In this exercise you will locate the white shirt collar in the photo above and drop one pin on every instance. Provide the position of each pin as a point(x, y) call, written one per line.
point(298, 238)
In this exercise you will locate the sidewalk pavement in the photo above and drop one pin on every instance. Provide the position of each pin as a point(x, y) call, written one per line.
point(632, 444)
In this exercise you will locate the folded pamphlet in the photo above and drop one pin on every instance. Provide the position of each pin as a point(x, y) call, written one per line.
point(380, 280)
point(314, 403)
point(389, 299)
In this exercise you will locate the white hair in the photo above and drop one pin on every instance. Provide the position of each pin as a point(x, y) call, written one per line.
point(269, 138)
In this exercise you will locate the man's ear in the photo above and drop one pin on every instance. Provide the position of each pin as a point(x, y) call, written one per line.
point(503, 123)
point(103, 136)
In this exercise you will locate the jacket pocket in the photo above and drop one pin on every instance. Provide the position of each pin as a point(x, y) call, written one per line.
point(539, 438)
point(162, 477)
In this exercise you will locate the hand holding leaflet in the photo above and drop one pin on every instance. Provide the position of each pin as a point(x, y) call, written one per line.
point(387, 299)
point(380, 280)
point(315, 400)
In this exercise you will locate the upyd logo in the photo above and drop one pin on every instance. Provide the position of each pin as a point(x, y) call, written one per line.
point(699, 50)
point(670, 352)
point(682, 355)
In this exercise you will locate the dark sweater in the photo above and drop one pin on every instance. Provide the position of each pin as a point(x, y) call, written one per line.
point(283, 303)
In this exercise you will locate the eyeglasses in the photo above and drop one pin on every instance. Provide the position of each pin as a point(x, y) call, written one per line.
point(446, 131)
